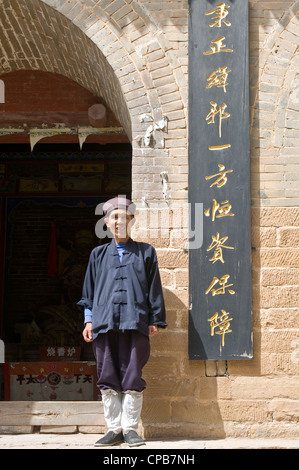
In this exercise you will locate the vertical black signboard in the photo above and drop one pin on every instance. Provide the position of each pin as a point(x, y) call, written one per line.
point(219, 180)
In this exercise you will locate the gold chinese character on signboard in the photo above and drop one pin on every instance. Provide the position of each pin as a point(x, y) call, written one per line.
point(219, 147)
point(218, 244)
point(217, 110)
point(218, 78)
point(221, 13)
point(217, 46)
point(222, 178)
point(223, 283)
point(222, 322)
point(218, 210)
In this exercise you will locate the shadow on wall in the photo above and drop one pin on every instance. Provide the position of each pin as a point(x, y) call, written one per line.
point(180, 399)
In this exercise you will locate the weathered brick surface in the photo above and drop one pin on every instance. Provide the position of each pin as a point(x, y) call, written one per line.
point(133, 53)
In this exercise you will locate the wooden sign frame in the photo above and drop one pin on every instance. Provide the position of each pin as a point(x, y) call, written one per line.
point(219, 178)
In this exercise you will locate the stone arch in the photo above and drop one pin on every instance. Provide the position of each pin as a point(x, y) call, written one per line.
point(276, 98)
point(130, 23)
point(274, 45)
point(270, 45)
point(35, 37)
point(115, 49)
point(149, 73)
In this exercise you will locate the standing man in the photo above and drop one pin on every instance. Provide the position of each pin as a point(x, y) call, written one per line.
point(123, 306)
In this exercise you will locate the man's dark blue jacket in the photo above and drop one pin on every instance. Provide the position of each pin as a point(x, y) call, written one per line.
point(124, 295)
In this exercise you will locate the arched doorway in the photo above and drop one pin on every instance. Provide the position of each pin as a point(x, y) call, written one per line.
point(62, 152)
point(126, 59)
point(60, 156)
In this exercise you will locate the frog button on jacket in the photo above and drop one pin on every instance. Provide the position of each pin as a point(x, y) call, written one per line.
point(124, 295)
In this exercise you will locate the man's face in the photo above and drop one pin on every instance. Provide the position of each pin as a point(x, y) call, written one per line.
point(119, 221)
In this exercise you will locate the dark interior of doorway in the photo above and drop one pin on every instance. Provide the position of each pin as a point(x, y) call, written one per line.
point(48, 199)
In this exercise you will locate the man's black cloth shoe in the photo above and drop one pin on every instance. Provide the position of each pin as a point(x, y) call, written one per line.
point(132, 439)
point(110, 439)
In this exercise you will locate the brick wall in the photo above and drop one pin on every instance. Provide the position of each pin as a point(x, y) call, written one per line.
point(145, 44)
point(35, 37)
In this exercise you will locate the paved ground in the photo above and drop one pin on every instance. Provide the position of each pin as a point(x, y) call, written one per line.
point(86, 441)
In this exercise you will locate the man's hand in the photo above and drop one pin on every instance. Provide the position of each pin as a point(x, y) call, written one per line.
point(87, 332)
point(153, 330)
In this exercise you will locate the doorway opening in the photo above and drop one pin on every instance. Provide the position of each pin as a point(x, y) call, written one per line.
point(47, 205)
point(62, 152)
